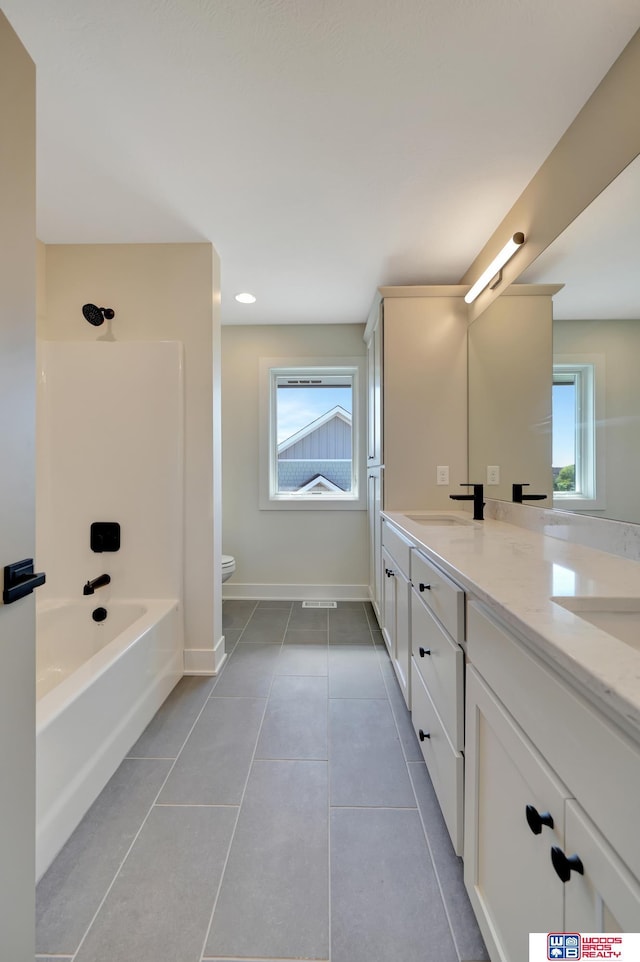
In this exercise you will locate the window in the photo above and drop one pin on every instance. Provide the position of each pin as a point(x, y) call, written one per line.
point(578, 391)
point(310, 434)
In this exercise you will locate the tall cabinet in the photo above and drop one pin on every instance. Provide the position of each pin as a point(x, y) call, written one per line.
point(417, 416)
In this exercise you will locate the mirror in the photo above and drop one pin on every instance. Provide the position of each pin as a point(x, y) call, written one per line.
point(594, 353)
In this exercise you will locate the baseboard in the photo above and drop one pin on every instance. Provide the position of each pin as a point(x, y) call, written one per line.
point(205, 661)
point(234, 590)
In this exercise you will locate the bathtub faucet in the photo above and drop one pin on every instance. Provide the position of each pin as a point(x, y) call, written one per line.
point(98, 582)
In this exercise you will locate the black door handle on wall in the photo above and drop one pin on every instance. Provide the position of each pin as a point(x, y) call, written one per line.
point(20, 580)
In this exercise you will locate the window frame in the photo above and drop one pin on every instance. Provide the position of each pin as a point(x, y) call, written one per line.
point(589, 373)
point(270, 370)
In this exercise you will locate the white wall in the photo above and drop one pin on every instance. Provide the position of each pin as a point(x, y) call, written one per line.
point(111, 448)
point(279, 553)
point(619, 343)
point(160, 292)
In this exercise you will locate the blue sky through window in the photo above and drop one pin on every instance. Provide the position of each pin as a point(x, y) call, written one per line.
point(564, 425)
point(298, 406)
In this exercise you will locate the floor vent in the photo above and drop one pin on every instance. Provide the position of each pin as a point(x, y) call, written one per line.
point(319, 604)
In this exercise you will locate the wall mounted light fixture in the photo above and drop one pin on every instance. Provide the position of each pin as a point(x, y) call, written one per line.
point(495, 266)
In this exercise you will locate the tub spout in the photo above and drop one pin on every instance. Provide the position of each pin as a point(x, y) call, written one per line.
point(98, 582)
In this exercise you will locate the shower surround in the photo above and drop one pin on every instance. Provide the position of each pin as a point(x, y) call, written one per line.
point(109, 448)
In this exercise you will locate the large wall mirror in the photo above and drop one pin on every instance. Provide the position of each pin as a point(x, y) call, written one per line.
point(554, 378)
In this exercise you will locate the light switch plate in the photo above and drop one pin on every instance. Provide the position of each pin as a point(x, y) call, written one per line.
point(442, 474)
point(493, 474)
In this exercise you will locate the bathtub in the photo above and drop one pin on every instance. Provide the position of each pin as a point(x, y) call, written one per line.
point(97, 687)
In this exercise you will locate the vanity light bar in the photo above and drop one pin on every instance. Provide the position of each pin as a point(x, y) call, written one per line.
point(496, 265)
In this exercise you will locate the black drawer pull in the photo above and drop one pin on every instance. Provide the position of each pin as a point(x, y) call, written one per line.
point(565, 864)
point(389, 572)
point(536, 820)
point(424, 587)
point(422, 735)
point(424, 651)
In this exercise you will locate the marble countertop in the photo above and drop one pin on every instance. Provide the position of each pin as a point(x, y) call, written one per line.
point(516, 572)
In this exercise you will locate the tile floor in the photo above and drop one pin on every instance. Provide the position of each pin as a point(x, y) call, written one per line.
point(281, 811)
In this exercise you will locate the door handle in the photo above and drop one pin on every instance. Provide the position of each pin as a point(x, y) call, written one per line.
point(20, 580)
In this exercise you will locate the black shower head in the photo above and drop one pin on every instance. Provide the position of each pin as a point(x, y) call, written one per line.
point(96, 315)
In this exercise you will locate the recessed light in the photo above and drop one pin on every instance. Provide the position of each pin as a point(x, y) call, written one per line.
point(246, 298)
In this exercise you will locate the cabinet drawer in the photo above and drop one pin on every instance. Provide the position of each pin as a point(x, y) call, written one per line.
point(441, 667)
point(446, 766)
point(443, 596)
point(597, 761)
point(397, 546)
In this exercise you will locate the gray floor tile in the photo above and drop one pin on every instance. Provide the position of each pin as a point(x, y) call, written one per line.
point(165, 734)
point(371, 615)
point(275, 604)
point(248, 672)
point(304, 659)
point(348, 617)
point(176, 863)
point(378, 640)
point(306, 636)
point(385, 901)
point(410, 743)
point(231, 638)
point(354, 672)
point(365, 756)
point(316, 618)
point(266, 625)
point(236, 614)
point(274, 896)
point(295, 722)
point(213, 766)
point(54, 958)
point(75, 884)
point(449, 869)
point(351, 636)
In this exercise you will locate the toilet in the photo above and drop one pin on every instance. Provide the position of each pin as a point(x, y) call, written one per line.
point(228, 566)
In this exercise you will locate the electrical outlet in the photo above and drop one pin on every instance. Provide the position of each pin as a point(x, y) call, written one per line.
point(493, 474)
point(442, 474)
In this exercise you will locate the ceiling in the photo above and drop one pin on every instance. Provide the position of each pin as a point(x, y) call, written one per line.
point(325, 147)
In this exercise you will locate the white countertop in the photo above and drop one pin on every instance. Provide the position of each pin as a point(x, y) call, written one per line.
point(516, 572)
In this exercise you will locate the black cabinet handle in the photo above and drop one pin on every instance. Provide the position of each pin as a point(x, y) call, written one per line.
point(424, 587)
point(422, 735)
point(389, 573)
point(536, 819)
point(20, 580)
point(565, 864)
point(424, 651)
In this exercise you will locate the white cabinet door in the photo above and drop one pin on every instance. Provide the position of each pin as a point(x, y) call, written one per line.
point(374, 503)
point(388, 594)
point(374, 383)
point(396, 591)
point(402, 653)
point(606, 897)
point(507, 869)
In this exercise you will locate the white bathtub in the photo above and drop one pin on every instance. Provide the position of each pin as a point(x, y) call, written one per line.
point(97, 686)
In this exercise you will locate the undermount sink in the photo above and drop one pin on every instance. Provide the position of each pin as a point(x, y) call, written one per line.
point(436, 519)
point(619, 617)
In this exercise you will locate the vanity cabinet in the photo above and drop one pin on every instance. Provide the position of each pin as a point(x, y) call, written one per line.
point(437, 685)
point(396, 589)
point(551, 786)
point(375, 481)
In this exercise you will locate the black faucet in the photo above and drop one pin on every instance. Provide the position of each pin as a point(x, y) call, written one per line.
point(519, 497)
point(476, 497)
point(98, 582)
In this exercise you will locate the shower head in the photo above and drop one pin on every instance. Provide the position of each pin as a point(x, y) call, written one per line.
point(96, 315)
